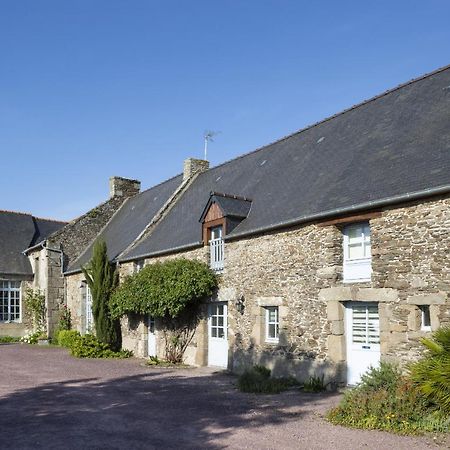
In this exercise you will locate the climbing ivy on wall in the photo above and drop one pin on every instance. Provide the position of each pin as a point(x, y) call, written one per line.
point(164, 289)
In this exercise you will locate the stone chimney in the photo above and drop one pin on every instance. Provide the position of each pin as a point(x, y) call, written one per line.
point(123, 187)
point(192, 166)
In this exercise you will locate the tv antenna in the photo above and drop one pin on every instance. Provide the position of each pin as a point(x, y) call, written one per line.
point(208, 137)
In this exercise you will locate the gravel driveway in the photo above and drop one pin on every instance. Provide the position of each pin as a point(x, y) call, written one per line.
point(51, 400)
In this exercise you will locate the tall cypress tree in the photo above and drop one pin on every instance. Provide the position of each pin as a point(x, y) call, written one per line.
point(101, 278)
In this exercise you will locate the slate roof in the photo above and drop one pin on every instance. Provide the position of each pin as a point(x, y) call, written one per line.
point(130, 220)
point(393, 145)
point(19, 231)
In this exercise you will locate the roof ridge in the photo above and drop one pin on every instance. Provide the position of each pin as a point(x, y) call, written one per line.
point(346, 110)
point(159, 184)
point(50, 220)
point(16, 212)
point(234, 197)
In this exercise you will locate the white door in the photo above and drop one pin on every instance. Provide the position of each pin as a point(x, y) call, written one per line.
point(89, 316)
point(217, 335)
point(363, 339)
point(151, 336)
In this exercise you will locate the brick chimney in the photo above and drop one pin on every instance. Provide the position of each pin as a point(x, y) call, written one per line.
point(123, 187)
point(192, 166)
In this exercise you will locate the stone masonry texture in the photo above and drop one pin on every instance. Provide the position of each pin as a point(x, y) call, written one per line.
point(300, 271)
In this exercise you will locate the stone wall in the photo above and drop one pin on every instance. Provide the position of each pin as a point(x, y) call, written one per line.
point(300, 271)
point(75, 298)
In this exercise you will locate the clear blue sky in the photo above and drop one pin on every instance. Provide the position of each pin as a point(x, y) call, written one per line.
point(90, 88)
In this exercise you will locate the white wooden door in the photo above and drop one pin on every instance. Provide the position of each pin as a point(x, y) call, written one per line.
point(363, 339)
point(89, 316)
point(218, 335)
point(151, 336)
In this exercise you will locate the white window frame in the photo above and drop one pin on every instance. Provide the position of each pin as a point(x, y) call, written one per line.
point(357, 269)
point(425, 309)
point(89, 315)
point(272, 339)
point(139, 265)
point(217, 250)
point(7, 286)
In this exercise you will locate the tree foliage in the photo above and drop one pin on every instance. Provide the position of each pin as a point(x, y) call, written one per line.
point(164, 289)
point(102, 279)
point(35, 309)
point(432, 373)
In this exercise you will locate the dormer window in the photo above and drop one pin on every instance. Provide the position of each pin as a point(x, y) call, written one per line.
point(216, 248)
point(357, 253)
point(221, 215)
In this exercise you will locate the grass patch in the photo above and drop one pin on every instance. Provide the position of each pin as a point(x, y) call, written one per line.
point(257, 380)
point(9, 340)
point(314, 384)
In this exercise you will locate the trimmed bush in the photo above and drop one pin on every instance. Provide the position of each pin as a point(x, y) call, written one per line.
point(8, 339)
point(89, 346)
point(67, 338)
point(257, 380)
point(432, 373)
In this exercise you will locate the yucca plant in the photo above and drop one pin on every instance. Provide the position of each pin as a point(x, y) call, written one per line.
point(432, 373)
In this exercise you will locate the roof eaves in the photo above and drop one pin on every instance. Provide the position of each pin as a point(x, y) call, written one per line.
point(162, 252)
point(339, 211)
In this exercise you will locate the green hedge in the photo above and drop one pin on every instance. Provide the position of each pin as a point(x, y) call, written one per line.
point(88, 346)
point(67, 338)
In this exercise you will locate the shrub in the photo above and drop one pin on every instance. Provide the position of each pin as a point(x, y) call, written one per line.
point(31, 338)
point(432, 373)
point(8, 339)
point(171, 292)
point(65, 318)
point(89, 346)
point(35, 309)
point(257, 380)
point(314, 384)
point(67, 338)
point(388, 401)
point(386, 376)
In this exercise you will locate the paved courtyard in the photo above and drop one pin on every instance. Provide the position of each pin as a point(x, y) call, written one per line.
point(51, 400)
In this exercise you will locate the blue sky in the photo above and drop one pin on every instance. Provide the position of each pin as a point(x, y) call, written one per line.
point(90, 88)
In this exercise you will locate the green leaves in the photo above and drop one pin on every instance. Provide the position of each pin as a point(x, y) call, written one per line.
point(432, 373)
point(102, 279)
point(164, 289)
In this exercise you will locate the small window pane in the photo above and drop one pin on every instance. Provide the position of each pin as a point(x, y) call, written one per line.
point(354, 233)
point(355, 251)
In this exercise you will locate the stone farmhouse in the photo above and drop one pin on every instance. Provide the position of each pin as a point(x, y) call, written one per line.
point(331, 244)
point(17, 232)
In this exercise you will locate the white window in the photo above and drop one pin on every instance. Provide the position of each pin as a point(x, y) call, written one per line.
point(216, 249)
point(425, 324)
point(10, 310)
point(89, 315)
point(139, 265)
point(357, 253)
point(272, 324)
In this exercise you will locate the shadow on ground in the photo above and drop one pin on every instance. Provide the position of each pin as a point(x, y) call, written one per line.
point(151, 410)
